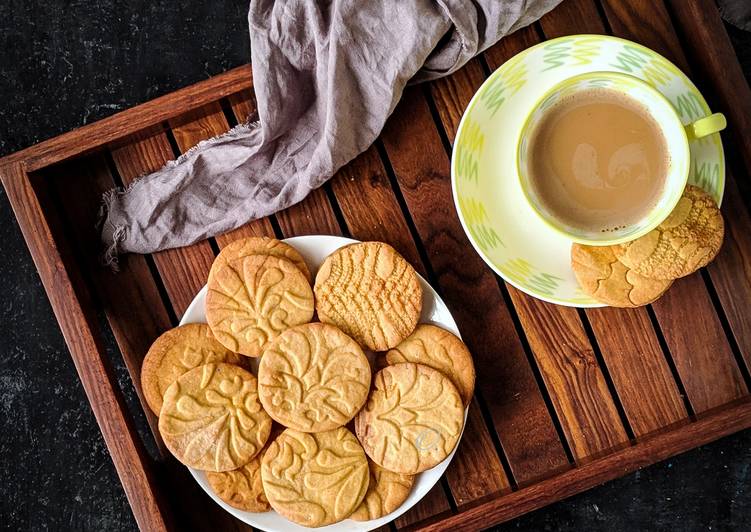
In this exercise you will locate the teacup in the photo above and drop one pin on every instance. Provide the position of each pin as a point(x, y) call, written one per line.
point(661, 111)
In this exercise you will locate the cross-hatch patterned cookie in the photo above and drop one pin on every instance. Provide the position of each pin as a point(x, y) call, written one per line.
point(370, 292)
point(413, 418)
point(212, 419)
point(605, 278)
point(313, 378)
point(260, 246)
point(315, 479)
point(174, 353)
point(241, 488)
point(441, 350)
point(386, 492)
point(687, 240)
point(251, 300)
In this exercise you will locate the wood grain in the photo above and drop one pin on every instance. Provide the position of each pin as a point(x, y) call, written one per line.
point(371, 211)
point(79, 185)
point(505, 381)
point(127, 122)
point(576, 385)
point(72, 307)
point(626, 338)
point(183, 270)
point(649, 23)
point(706, 429)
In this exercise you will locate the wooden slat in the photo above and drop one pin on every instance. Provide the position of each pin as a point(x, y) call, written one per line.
point(506, 381)
point(626, 338)
point(688, 333)
point(183, 270)
point(80, 185)
point(71, 305)
point(371, 211)
point(709, 47)
point(126, 122)
point(663, 445)
point(578, 390)
point(243, 105)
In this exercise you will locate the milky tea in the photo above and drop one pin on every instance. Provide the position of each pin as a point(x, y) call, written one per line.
point(597, 161)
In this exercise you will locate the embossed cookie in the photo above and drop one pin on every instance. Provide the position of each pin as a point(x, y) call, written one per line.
point(315, 479)
point(313, 378)
point(441, 350)
point(608, 280)
point(241, 488)
point(386, 492)
point(260, 246)
point(370, 292)
point(413, 418)
point(687, 240)
point(212, 419)
point(251, 300)
point(175, 352)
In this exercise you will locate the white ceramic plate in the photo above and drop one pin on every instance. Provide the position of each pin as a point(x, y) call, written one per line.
point(315, 249)
point(502, 227)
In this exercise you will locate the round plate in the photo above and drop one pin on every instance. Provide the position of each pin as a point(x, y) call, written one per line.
point(502, 227)
point(315, 249)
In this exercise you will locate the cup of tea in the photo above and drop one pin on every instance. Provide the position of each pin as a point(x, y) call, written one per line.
point(603, 157)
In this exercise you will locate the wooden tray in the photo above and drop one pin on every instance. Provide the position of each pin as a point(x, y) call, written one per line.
point(565, 400)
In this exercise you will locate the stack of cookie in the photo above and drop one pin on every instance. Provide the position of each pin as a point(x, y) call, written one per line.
point(281, 440)
point(638, 272)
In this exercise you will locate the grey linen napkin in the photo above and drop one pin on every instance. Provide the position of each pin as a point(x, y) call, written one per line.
point(326, 77)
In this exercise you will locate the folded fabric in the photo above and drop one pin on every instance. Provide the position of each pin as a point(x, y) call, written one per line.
point(326, 76)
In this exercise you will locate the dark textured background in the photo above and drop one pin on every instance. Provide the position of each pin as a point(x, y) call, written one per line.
point(68, 63)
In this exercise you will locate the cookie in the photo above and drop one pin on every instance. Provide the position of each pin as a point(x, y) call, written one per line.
point(315, 479)
point(313, 378)
point(262, 245)
point(608, 280)
point(212, 419)
point(413, 418)
point(687, 240)
point(441, 350)
point(386, 492)
point(370, 292)
point(251, 300)
point(175, 352)
point(241, 488)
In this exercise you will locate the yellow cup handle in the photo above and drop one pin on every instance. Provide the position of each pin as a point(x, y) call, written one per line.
point(706, 126)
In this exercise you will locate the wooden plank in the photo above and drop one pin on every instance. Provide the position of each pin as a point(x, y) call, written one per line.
point(711, 52)
point(371, 212)
point(628, 342)
point(126, 122)
point(243, 105)
point(661, 446)
point(519, 413)
point(580, 404)
point(433, 505)
point(649, 23)
point(183, 270)
point(71, 305)
point(201, 124)
point(80, 185)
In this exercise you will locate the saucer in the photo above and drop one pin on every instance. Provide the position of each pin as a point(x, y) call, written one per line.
point(492, 208)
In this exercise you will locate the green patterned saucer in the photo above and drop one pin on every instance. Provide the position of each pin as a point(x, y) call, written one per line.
point(502, 227)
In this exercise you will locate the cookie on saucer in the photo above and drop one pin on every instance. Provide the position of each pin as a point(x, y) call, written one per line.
point(261, 245)
point(438, 348)
point(370, 292)
point(251, 300)
point(605, 278)
point(315, 479)
point(176, 352)
point(241, 488)
point(687, 240)
point(212, 419)
point(386, 492)
point(313, 378)
point(413, 418)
